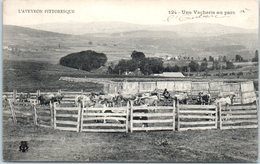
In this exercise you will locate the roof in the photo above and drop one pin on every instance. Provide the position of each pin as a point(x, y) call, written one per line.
point(170, 74)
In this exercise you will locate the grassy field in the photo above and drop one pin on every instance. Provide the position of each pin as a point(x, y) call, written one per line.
point(28, 76)
point(45, 144)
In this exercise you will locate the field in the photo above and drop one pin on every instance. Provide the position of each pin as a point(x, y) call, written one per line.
point(164, 146)
point(28, 76)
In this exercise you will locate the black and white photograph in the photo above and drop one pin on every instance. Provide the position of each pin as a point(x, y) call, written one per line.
point(171, 81)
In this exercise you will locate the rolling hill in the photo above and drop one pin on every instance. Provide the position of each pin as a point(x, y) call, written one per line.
point(22, 43)
point(185, 29)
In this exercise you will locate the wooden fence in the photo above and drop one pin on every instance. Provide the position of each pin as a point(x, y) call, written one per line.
point(110, 119)
point(143, 118)
point(140, 118)
point(43, 115)
point(196, 117)
point(239, 116)
point(67, 118)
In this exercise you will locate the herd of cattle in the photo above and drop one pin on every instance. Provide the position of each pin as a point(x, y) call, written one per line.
point(120, 99)
point(155, 98)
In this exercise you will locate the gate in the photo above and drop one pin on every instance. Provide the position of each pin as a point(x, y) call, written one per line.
point(242, 116)
point(107, 119)
point(150, 118)
point(196, 117)
point(67, 118)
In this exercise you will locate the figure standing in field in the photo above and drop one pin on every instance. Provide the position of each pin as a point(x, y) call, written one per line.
point(166, 96)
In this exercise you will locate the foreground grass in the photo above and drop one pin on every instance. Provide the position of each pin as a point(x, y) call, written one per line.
point(163, 146)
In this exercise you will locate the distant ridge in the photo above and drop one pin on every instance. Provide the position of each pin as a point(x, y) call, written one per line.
point(185, 29)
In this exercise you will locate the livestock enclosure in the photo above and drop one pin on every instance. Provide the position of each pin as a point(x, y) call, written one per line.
point(132, 118)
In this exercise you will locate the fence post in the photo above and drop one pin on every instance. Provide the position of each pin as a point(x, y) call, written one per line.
point(178, 115)
point(82, 118)
point(54, 115)
point(38, 95)
point(82, 115)
point(127, 117)
point(79, 121)
point(131, 116)
point(241, 94)
point(257, 109)
point(14, 95)
point(139, 87)
point(173, 116)
point(51, 110)
point(216, 117)
point(220, 116)
point(35, 115)
point(12, 111)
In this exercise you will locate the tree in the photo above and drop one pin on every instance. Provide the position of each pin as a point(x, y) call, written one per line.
point(255, 59)
point(224, 59)
point(125, 65)
point(84, 60)
point(230, 65)
point(216, 65)
point(139, 56)
point(175, 68)
point(151, 65)
point(238, 58)
point(204, 66)
point(194, 66)
point(185, 69)
point(211, 58)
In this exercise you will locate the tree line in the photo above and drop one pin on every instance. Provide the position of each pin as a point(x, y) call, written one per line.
point(90, 60)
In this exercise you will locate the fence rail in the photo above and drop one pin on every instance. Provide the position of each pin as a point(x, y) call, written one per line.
point(110, 119)
point(196, 117)
point(67, 118)
point(163, 118)
point(235, 117)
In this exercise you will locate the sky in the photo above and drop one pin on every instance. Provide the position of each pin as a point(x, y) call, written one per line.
point(244, 13)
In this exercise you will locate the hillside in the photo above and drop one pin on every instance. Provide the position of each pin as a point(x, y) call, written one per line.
point(22, 43)
point(185, 29)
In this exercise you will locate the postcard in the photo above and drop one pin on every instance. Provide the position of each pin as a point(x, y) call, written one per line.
point(130, 81)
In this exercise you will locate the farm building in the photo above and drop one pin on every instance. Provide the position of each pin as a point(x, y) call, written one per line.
point(170, 74)
point(244, 91)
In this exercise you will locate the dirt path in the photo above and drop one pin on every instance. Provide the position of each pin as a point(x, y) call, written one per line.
point(167, 146)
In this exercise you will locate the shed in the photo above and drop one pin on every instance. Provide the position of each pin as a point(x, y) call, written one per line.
point(170, 74)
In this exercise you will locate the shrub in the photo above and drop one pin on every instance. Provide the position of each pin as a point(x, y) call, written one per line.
point(84, 60)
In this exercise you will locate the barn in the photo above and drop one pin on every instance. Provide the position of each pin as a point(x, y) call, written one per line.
point(170, 74)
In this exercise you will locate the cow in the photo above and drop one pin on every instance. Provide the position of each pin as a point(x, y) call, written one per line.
point(50, 98)
point(24, 97)
point(4, 101)
point(45, 99)
point(181, 97)
point(225, 101)
point(84, 101)
point(203, 99)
